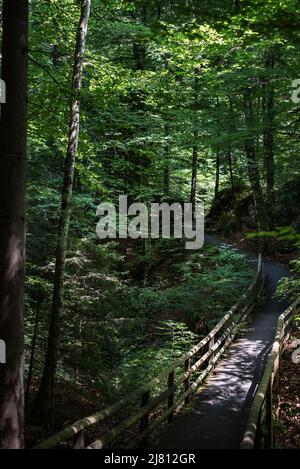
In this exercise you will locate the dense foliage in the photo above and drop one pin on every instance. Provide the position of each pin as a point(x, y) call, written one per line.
point(116, 329)
point(162, 80)
point(182, 101)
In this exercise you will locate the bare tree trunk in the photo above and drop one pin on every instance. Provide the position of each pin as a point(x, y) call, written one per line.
point(12, 219)
point(268, 139)
point(231, 170)
point(43, 404)
point(195, 143)
point(235, 5)
point(231, 130)
point(253, 171)
point(194, 177)
point(166, 189)
point(217, 180)
point(218, 156)
point(32, 354)
point(167, 128)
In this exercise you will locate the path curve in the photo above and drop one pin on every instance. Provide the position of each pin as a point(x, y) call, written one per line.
point(219, 414)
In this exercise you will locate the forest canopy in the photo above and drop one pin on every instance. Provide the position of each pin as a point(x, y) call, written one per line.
point(165, 101)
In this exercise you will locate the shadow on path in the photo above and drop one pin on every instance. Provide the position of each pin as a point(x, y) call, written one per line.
point(219, 414)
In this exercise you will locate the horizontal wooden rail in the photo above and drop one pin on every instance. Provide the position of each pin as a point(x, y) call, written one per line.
point(176, 383)
point(261, 411)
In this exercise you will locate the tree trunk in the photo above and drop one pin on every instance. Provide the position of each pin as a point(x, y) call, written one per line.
point(231, 170)
point(138, 162)
point(166, 189)
point(217, 180)
point(32, 354)
point(195, 141)
point(235, 5)
point(231, 131)
point(253, 171)
point(43, 404)
point(268, 140)
point(12, 219)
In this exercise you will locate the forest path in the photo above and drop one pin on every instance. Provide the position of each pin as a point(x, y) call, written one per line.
point(219, 414)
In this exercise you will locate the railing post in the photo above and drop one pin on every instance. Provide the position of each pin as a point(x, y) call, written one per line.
point(210, 346)
point(78, 440)
point(171, 396)
point(187, 367)
point(144, 422)
point(258, 433)
point(269, 416)
point(276, 380)
point(228, 338)
point(276, 371)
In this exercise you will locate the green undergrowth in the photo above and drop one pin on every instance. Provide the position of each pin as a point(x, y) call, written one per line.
point(122, 332)
point(172, 318)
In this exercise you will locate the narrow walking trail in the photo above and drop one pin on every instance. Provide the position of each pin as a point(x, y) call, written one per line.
point(219, 414)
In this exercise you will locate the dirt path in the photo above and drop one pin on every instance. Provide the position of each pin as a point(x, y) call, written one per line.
point(219, 413)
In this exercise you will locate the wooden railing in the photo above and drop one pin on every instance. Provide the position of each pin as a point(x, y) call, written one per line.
point(260, 428)
point(172, 389)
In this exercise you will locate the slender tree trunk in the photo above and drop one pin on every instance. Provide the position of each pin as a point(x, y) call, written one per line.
point(32, 355)
point(166, 188)
point(43, 404)
point(195, 141)
point(138, 162)
point(217, 180)
point(231, 130)
point(167, 128)
point(194, 177)
point(268, 140)
point(218, 157)
point(254, 177)
point(235, 5)
point(231, 170)
point(258, 110)
point(12, 219)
